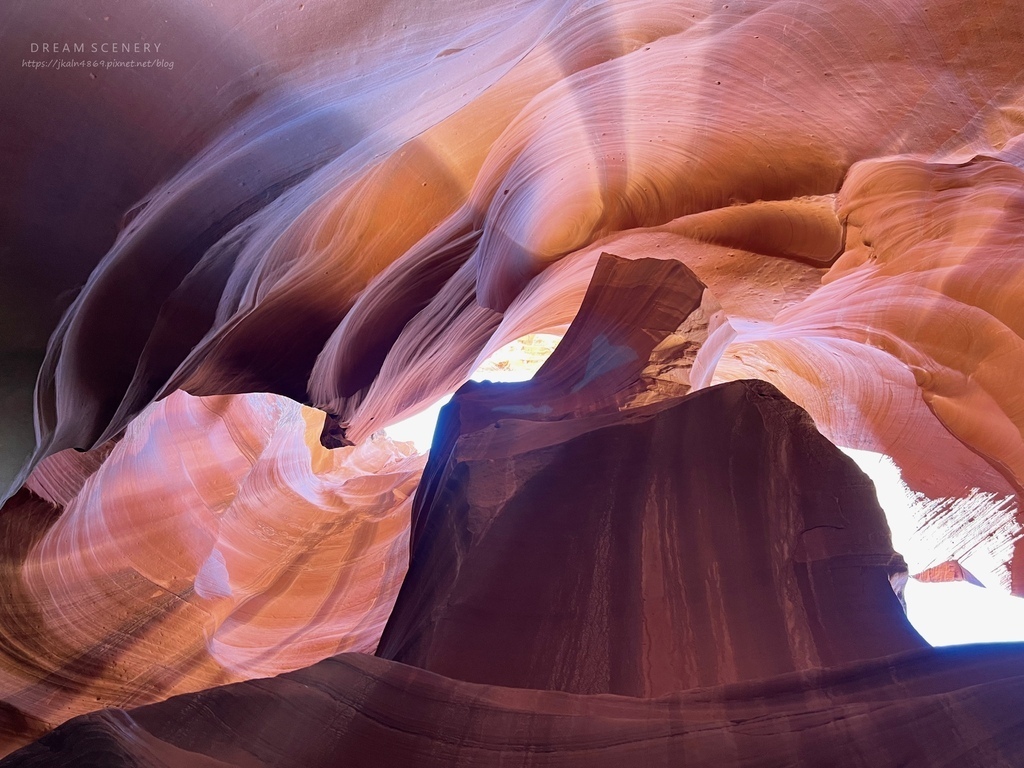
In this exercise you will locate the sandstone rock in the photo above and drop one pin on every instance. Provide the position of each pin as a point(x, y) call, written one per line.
point(327, 215)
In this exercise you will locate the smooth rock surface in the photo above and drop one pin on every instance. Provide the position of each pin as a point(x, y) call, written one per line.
point(237, 271)
point(716, 539)
point(955, 707)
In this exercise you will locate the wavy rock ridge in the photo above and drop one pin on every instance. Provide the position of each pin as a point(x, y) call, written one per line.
point(336, 213)
point(526, 597)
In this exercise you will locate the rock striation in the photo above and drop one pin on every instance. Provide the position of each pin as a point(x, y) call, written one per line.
point(716, 540)
point(217, 541)
point(907, 710)
point(762, 228)
point(688, 580)
point(741, 610)
point(596, 547)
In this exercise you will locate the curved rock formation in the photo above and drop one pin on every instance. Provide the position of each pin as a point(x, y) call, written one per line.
point(716, 540)
point(218, 541)
point(945, 238)
point(325, 216)
point(907, 710)
point(540, 584)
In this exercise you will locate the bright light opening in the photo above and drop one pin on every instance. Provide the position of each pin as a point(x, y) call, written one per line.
point(516, 361)
point(948, 613)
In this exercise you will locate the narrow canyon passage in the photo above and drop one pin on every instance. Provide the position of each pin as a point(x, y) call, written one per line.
point(244, 242)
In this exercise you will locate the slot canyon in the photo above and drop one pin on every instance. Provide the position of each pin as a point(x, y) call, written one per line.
point(735, 242)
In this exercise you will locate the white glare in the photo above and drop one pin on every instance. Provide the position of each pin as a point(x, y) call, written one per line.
point(517, 361)
point(944, 613)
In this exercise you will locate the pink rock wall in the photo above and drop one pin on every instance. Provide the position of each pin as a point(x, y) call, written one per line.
point(325, 216)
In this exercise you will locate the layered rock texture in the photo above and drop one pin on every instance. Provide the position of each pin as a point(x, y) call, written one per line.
point(945, 707)
point(647, 575)
point(707, 595)
point(763, 229)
